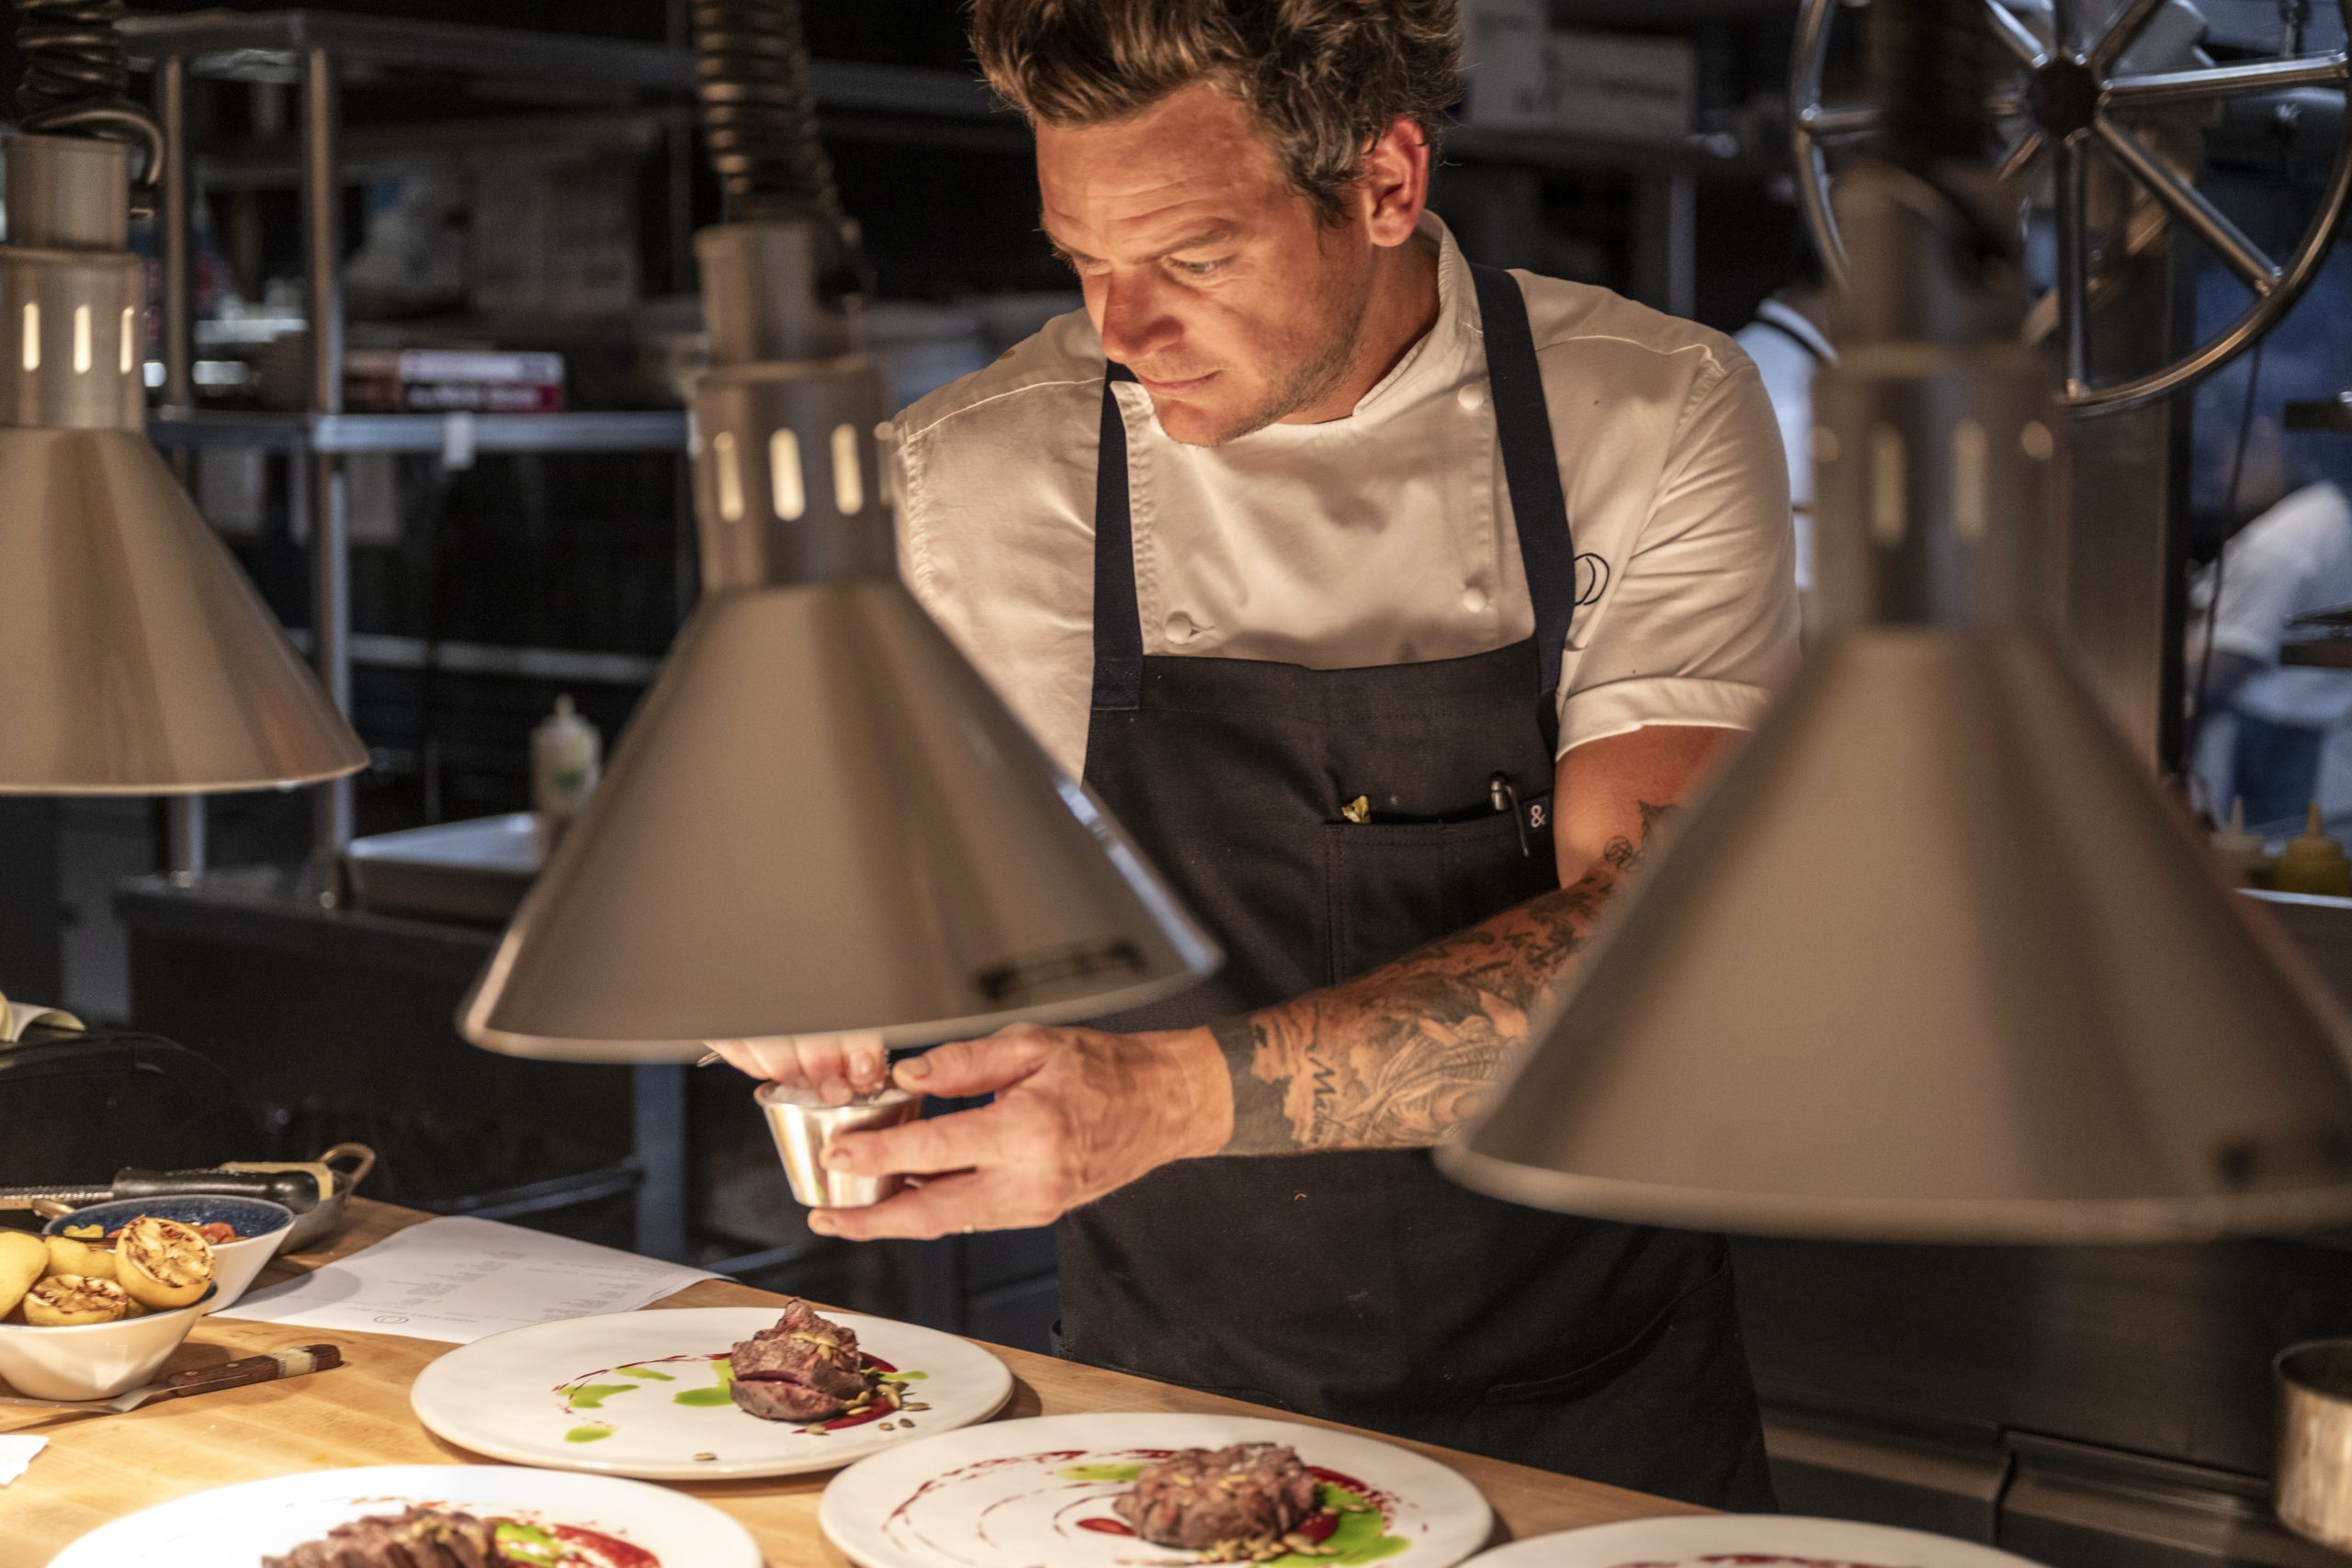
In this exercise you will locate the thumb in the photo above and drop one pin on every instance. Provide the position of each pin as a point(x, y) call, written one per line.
point(977, 1066)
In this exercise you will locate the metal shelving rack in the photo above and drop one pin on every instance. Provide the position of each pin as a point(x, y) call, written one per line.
point(318, 53)
point(653, 431)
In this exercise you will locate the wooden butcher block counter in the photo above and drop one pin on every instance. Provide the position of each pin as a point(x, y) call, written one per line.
point(96, 1469)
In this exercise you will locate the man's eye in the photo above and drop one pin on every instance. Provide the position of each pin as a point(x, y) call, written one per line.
point(1204, 268)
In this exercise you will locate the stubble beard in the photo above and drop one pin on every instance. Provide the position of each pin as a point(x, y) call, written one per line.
point(1304, 384)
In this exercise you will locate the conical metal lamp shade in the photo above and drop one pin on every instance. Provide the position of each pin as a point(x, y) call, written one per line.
point(135, 657)
point(1934, 961)
point(823, 820)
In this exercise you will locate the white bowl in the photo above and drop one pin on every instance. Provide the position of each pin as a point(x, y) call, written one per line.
point(95, 1360)
point(261, 1225)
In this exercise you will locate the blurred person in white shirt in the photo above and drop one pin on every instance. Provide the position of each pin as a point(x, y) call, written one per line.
point(1791, 340)
point(2276, 735)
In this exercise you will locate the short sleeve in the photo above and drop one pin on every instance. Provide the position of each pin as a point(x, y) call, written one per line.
point(2262, 589)
point(1701, 627)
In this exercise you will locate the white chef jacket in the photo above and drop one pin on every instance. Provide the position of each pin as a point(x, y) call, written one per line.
point(2293, 559)
point(1382, 537)
point(1789, 352)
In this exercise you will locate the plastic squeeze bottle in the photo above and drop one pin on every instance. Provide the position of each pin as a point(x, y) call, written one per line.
point(2314, 863)
point(566, 754)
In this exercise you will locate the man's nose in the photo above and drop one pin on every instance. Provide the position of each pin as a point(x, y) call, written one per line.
point(1134, 318)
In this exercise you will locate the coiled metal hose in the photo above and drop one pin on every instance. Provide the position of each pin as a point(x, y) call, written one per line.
point(76, 81)
point(759, 112)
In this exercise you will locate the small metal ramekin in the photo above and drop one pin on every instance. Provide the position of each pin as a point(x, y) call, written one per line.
point(803, 1132)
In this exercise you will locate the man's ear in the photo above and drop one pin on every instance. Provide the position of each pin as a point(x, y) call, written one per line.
point(1395, 185)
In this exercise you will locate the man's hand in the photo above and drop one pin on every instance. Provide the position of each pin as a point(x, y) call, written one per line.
point(839, 1067)
point(1077, 1114)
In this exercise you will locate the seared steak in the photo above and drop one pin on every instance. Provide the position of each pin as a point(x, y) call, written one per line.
point(1237, 1497)
point(419, 1538)
point(804, 1369)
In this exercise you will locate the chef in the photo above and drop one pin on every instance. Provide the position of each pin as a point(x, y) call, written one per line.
point(1393, 603)
point(1789, 343)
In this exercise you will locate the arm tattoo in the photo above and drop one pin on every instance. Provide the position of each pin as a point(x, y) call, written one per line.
point(1396, 1058)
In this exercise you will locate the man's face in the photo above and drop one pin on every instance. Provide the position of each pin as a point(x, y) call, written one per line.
point(1207, 273)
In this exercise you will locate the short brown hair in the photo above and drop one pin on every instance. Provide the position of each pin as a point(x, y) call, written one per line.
point(1323, 77)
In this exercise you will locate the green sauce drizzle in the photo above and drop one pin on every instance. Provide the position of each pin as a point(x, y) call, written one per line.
point(1100, 1472)
point(715, 1394)
point(528, 1545)
point(587, 1434)
point(647, 1372)
point(591, 1395)
point(1360, 1537)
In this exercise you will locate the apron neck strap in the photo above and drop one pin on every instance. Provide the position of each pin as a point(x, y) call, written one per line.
point(1118, 621)
point(1539, 506)
point(1531, 468)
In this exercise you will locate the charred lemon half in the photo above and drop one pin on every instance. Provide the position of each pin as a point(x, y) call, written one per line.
point(163, 1263)
point(69, 1301)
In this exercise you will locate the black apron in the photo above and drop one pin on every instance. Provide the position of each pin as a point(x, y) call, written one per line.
point(1365, 1286)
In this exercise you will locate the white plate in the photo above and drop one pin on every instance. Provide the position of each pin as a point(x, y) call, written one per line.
point(1757, 1541)
point(235, 1526)
point(1011, 1495)
point(513, 1395)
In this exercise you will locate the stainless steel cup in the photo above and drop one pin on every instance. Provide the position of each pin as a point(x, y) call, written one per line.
point(804, 1128)
point(2314, 1480)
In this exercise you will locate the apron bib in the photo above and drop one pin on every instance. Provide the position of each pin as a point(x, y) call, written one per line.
point(1365, 1286)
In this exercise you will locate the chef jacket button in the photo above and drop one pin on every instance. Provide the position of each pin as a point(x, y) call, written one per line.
point(1473, 397)
point(1473, 599)
point(1181, 628)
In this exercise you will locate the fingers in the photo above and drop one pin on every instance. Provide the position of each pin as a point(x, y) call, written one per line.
point(989, 1136)
point(947, 1205)
point(939, 1207)
point(774, 1059)
point(865, 1066)
point(977, 1066)
point(839, 1067)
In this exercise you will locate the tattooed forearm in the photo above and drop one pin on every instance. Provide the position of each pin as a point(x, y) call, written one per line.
point(1398, 1058)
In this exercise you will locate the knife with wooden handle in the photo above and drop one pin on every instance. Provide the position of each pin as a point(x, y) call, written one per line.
point(293, 1362)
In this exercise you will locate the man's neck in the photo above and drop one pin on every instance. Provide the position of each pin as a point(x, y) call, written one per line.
point(1402, 311)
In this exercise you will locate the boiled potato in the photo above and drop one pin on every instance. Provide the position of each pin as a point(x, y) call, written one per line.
point(23, 1256)
point(68, 1301)
point(67, 1256)
point(163, 1263)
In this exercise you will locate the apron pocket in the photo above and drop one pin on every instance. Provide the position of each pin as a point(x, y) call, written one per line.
point(1392, 887)
point(1708, 1297)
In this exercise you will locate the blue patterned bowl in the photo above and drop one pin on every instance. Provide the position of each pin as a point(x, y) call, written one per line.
point(259, 1223)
